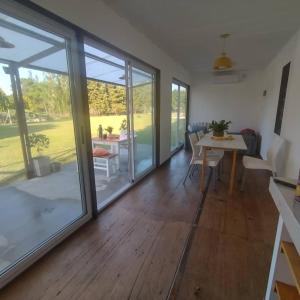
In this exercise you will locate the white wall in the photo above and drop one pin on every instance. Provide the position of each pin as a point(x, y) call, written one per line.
point(240, 102)
point(245, 106)
point(99, 19)
point(291, 117)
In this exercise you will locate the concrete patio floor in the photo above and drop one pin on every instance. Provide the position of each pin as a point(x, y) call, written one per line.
point(31, 211)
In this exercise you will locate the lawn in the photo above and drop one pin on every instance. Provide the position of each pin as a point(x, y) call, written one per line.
point(61, 136)
point(181, 131)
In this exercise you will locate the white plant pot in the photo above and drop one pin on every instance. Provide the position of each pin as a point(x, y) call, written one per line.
point(42, 165)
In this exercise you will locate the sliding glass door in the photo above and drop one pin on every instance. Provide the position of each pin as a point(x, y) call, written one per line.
point(178, 114)
point(121, 107)
point(174, 117)
point(42, 157)
point(142, 83)
point(108, 108)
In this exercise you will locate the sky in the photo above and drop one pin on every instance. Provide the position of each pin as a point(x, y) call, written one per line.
point(5, 84)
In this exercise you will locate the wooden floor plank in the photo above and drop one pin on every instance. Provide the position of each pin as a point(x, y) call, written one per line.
point(231, 249)
point(154, 278)
point(140, 236)
point(133, 250)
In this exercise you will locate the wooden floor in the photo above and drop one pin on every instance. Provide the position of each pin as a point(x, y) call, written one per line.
point(133, 250)
point(230, 253)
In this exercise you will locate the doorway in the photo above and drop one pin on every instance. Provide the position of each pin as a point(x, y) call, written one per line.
point(178, 114)
point(121, 95)
point(43, 175)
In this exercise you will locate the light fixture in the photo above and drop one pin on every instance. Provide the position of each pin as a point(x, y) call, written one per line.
point(223, 62)
point(5, 44)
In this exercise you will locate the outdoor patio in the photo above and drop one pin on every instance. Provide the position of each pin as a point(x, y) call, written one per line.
point(36, 209)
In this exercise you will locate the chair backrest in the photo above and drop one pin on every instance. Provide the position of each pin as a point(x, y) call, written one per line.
point(200, 134)
point(274, 151)
point(194, 140)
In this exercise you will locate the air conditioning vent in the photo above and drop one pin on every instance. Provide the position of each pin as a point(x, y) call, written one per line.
point(228, 77)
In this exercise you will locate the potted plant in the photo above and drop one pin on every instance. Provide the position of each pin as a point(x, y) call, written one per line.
point(41, 163)
point(109, 130)
point(218, 128)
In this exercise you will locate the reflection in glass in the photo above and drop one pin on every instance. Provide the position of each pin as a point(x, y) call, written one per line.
point(174, 116)
point(178, 115)
point(142, 109)
point(108, 119)
point(39, 180)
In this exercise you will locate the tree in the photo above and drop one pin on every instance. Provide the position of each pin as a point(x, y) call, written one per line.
point(106, 99)
point(49, 95)
point(6, 105)
point(3, 101)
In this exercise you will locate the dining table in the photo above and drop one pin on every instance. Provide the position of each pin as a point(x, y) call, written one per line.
point(232, 142)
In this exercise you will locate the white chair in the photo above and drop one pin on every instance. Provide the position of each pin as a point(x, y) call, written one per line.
point(109, 163)
point(200, 134)
point(212, 159)
point(270, 163)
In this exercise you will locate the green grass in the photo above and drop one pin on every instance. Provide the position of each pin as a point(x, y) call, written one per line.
point(181, 131)
point(61, 136)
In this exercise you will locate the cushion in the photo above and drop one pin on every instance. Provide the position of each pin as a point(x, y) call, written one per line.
point(250, 162)
point(100, 152)
point(248, 131)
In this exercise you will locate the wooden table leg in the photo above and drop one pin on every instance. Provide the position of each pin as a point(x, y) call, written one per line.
point(233, 171)
point(202, 179)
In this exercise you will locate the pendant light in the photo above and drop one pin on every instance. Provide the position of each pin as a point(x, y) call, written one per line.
point(5, 44)
point(223, 62)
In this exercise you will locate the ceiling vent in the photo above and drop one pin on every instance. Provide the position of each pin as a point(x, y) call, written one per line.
point(228, 77)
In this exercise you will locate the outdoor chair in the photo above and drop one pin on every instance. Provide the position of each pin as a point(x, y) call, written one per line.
point(103, 160)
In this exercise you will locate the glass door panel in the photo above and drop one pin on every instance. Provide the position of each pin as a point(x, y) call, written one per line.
point(10, 144)
point(142, 113)
point(121, 108)
point(182, 114)
point(174, 116)
point(41, 169)
point(108, 109)
point(178, 115)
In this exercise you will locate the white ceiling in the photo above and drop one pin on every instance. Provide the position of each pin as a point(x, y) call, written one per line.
point(189, 29)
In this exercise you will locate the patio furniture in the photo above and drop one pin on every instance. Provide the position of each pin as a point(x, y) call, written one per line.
point(107, 162)
point(208, 143)
point(113, 143)
point(213, 159)
point(259, 164)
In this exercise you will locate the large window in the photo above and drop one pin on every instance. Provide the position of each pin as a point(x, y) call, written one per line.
point(41, 155)
point(45, 156)
point(121, 106)
point(178, 114)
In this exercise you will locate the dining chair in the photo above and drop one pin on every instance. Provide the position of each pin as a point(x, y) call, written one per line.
point(200, 134)
point(270, 163)
point(212, 159)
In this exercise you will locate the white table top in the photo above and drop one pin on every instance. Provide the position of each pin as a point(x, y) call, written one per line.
point(237, 143)
point(288, 208)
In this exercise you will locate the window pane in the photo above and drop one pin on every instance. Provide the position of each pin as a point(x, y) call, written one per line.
point(182, 114)
point(178, 115)
point(174, 116)
point(142, 103)
point(108, 119)
point(40, 189)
